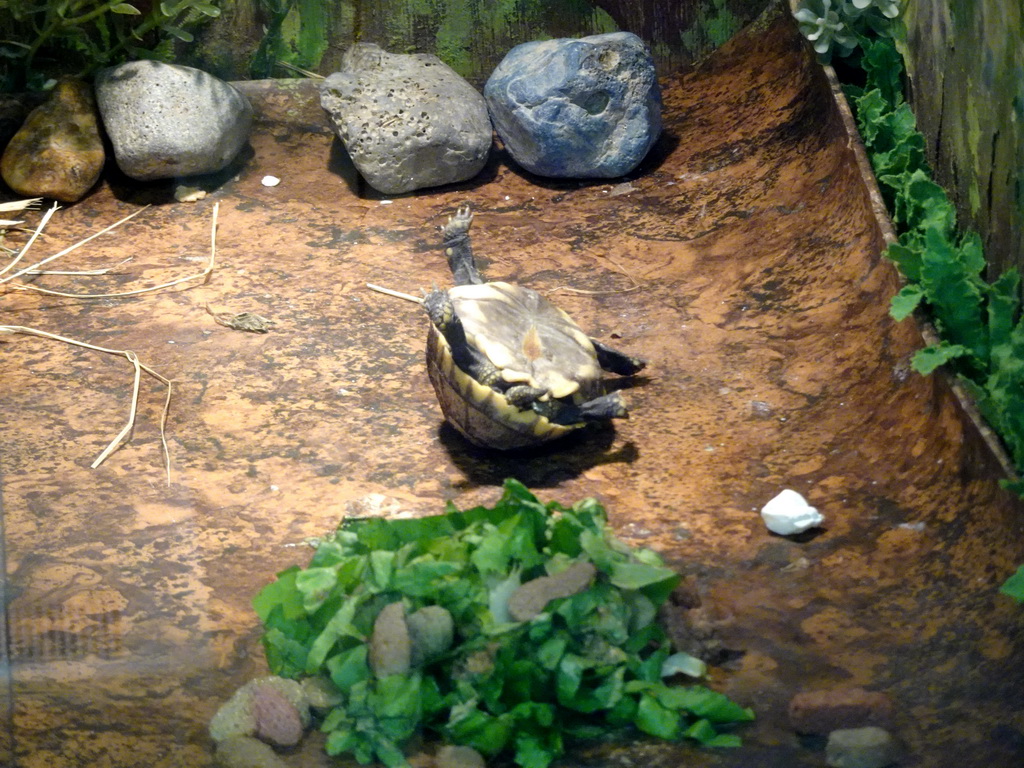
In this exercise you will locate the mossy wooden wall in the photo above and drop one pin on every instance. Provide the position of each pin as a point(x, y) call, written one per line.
point(966, 65)
point(470, 35)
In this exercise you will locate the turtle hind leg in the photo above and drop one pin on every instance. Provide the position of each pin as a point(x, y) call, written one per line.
point(610, 406)
point(458, 250)
point(617, 362)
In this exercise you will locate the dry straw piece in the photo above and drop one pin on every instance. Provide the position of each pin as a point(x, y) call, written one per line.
point(138, 366)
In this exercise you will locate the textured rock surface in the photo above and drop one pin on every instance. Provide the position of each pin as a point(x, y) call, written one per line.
point(821, 711)
point(58, 152)
point(408, 121)
point(587, 107)
point(390, 644)
point(166, 120)
point(277, 719)
point(247, 752)
point(530, 599)
point(451, 756)
point(272, 708)
point(431, 632)
point(869, 747)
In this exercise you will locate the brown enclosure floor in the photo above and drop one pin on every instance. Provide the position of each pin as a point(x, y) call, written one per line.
point(742, 261)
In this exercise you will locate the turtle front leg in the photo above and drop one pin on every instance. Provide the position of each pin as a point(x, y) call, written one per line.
point(617, 362)
point(442, 314)
point(523, 396)
point(458, 250)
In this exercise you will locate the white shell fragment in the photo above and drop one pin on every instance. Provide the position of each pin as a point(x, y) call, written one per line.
point(789, 513)
point(270, 181)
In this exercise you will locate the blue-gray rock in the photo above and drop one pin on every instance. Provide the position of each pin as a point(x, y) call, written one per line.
point(585, 107)
point(408, 121)
point(166, 120)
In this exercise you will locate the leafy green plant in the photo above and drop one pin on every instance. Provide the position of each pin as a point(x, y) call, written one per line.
point(590, 664)
point(295, 33)
point(978, 321)
point(838, 27)
point(47, 38)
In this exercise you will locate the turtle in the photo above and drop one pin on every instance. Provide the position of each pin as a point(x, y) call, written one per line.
point(510, 369)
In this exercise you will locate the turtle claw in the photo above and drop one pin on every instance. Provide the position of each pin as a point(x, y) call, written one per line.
point(617, 362)
point(603, 408)
point(457, 248)
point(459, 223)
point(440, 308)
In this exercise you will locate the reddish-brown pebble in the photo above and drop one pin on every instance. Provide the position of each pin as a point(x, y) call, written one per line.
point(822, 711)
point(277, 719)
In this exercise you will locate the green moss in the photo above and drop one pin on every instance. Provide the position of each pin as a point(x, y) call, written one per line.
point(454, 37)
point(963, 13)
point(714, 26)
point(722, 25)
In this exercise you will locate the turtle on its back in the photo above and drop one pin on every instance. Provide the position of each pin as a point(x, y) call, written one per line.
point(511, 369)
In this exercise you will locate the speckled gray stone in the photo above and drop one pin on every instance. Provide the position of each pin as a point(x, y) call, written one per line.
point(868, 747)
point(585, 107)
point(166, 120)
point(408, 121)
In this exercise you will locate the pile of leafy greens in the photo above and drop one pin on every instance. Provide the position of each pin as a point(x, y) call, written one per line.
point(590, 665)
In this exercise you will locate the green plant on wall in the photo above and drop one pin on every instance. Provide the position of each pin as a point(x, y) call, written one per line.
point(49, 38)
point(295, 32)
point(979, 322)
point(840, 26)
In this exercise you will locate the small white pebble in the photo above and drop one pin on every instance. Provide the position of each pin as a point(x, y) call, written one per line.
point(386, 202)
point(274, 488)
point(270, 181)
point(789, 513)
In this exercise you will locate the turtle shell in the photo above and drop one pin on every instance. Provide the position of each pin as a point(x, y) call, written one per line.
point(528, 339)
point(482, 415)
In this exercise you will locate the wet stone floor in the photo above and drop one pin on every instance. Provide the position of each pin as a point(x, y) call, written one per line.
point(741, 260)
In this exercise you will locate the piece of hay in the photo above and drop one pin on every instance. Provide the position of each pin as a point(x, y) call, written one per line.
point(204, 275)
point(139, 368)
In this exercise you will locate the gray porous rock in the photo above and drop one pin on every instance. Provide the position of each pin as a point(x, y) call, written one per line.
point(247, 752)
point(452, 756)
point(390, 650)
point(869, 747)
point(166, 120)
point(585, 107)
point(408, 121)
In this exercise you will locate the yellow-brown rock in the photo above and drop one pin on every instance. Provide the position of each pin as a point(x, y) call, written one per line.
point(58, 152)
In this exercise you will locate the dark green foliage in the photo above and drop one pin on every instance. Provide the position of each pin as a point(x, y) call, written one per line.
point(1014, 586)
point(590, 665)
point(52, 38)
point(303, 49)
point(980, 322)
